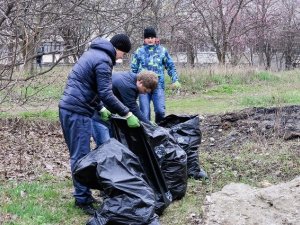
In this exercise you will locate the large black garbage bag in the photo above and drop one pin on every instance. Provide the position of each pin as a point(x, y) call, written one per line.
point(115, 170)
point(172, 159)
point(185, 129)
point(136, 141)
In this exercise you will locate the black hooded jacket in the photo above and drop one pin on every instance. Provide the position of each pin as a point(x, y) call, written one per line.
point(89, 83)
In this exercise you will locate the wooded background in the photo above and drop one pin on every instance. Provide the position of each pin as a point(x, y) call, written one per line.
point(235, 31)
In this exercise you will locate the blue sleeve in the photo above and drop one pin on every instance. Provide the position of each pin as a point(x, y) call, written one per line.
point(135, 63)
point(170, 67)
point(105, 93)
point(129, 97)
point(124, 87)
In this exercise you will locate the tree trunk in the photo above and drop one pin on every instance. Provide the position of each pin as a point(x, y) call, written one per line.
point(190, 55)
point(268, 54)
point(288, 61)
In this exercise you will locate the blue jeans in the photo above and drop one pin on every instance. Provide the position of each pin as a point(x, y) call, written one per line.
point(158, 99)
point(77, 131)
point(101, 131)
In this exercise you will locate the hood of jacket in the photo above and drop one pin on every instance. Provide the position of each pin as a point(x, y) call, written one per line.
point(106, 46)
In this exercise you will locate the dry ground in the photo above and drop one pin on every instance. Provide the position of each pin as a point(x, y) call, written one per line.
point(31, 148)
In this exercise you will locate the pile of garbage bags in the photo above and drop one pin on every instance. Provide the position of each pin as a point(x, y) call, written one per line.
point(142, 170)
point(186, 131)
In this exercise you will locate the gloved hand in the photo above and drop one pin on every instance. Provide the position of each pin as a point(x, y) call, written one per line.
point(132, 120)
point(105, 114)
point(176, 84)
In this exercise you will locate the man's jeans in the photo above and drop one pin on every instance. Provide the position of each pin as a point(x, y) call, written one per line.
point(158, 99)
point(77, 131)
point(101, 131)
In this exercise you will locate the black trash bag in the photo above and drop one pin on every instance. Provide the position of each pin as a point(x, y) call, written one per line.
point(115, 170)
point(135, 140)
point(185, 129)
point(172, 159)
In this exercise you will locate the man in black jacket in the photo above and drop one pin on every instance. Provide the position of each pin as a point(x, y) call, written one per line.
point(126, 87)
point(88, 87)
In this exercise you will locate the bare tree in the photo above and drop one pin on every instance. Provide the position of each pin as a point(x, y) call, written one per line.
point(266, 14)
point(26, 24)
point(219, 17)
point(289, 36)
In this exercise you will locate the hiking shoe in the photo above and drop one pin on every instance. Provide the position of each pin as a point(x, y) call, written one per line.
point(86, 208)
point(202, 175)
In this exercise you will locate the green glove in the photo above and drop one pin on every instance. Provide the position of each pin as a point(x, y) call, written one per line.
point(105, 114)
point(132, 120)
point(177, 84)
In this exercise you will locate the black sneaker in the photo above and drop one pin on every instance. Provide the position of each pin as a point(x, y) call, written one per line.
point(202, 175)
point(93, 200)
point(86, 208)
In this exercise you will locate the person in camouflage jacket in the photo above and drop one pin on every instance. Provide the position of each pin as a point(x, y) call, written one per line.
point(154, 57)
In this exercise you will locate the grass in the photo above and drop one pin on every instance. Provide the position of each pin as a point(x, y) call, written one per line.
point(45, 201)
point(179, 212)
point(288, 97)
point(48, 200)
point(49, 91)
point(251, 164)
point(213, 91)
point(51, 115)
point(205, 90)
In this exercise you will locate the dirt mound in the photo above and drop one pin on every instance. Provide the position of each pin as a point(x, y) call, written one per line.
point(242, 204)
point(255, 124)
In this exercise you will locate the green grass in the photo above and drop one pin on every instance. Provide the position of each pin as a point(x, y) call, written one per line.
point(199, 105)
point(205, 91)
point(49, 200)
point(266, 76)
point(223, 92)
point(51, 115)
point(51, 91)
point(271, 99)
point(178, 212)
point(4, 114)
point(251, 163)
point(46, 201)
point(223, 89)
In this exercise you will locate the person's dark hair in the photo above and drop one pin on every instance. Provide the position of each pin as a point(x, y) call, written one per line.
point(121, 42)
point(149, 32)
point(148, 78)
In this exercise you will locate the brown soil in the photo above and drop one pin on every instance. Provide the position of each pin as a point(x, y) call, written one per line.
point(222, 132)
point(31, 148)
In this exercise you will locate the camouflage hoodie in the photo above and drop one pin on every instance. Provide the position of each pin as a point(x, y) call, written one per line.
point(155, 58)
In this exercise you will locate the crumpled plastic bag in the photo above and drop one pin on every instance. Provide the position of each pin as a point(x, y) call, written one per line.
point(185, 129)
point(115, 170)
point(135, 139)
point(172, 159)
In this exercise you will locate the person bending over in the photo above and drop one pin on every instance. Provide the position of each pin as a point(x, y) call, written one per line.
point(126, 87)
